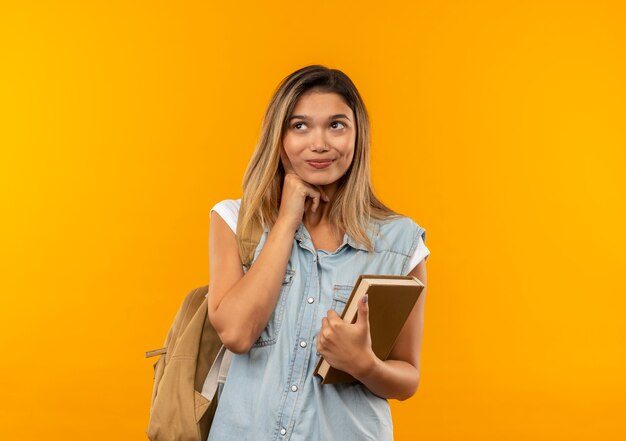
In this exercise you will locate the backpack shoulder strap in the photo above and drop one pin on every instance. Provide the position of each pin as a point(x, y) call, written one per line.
point(186, 311)
point(250, 240)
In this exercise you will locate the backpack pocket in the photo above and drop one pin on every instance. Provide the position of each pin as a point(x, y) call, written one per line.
point(270, 332)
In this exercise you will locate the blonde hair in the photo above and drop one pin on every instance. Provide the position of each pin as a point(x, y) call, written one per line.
point(354, 205)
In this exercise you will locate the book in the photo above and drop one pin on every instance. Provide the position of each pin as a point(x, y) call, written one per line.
point(390, 299)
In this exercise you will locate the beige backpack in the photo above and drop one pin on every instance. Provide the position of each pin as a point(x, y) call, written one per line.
point(193, 363)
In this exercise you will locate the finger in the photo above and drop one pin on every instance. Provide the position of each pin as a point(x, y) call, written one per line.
point(315, 196)
point(323, 193)
point(316, 202)
point(363, 312)
point(333, 317)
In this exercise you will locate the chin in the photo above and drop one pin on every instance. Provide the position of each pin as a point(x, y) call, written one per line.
point(318, 180)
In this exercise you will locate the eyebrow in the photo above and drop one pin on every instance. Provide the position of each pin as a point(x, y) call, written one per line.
point(338, 115)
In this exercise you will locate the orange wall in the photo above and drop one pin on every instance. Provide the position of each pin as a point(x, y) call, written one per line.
point(498, 126)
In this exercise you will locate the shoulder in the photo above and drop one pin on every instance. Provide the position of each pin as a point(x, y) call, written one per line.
point(400, 234)
point(231, 205)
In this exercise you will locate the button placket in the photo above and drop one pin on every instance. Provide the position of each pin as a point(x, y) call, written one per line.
point(300, 357)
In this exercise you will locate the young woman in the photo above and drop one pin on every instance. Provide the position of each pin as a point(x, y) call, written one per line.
point(308, 187)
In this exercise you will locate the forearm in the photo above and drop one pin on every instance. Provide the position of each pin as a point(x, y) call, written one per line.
point(388, 379)
point(247, 306)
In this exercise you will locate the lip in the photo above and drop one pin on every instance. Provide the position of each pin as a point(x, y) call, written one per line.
point(320, 164)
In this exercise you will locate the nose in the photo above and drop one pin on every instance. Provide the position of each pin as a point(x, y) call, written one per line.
point(318, 142)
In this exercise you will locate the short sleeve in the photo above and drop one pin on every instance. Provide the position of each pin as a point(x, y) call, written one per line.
point(421, 252)
point(228, 210)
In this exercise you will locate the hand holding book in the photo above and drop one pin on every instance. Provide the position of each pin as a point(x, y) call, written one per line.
point(346, 346)
point(390, 301)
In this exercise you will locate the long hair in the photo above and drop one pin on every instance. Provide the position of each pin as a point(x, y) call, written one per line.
point(354, 205)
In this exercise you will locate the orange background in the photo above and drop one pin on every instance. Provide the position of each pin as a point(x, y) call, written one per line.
point(497, 126)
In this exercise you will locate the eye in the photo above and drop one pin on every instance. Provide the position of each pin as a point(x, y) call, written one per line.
point(297, 125)
point(337, 122)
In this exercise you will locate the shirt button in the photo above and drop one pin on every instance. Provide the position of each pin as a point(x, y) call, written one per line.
point(303, 344)
point(294, 388)
point(310, 300)
point(283, 431)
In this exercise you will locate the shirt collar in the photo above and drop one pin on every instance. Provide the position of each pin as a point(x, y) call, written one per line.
point(302, 236)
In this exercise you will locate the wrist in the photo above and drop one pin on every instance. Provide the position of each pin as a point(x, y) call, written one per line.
point(366, 366)
point(286, 225)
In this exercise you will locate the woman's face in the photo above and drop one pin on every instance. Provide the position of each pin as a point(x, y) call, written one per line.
point(320, 137)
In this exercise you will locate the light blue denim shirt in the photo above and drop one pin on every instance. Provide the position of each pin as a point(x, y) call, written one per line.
point(270, 392)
